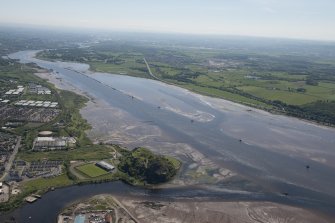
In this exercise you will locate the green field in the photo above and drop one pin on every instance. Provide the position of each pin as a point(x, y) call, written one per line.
point(290, 82)
point(130, 67)
point(42, 184)
point(91, 170)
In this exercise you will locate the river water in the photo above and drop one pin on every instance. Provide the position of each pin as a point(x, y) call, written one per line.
point(271, 157)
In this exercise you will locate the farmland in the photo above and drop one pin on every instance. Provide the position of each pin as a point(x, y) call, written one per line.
point(290, 82)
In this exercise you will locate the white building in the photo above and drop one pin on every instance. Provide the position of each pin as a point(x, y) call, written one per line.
point(106, 166)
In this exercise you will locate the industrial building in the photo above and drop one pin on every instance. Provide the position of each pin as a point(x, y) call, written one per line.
point(38, 89)
point(45, 104)
point(53, 143)
point(106, 166)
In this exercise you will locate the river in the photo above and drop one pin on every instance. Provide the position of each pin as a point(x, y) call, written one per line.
point(269, 160)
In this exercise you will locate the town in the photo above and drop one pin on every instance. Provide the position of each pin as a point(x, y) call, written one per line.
point(19, 111)
point(33, 121)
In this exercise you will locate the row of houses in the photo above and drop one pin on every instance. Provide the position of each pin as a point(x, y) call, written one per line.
point(17, 91)
point(31, 103)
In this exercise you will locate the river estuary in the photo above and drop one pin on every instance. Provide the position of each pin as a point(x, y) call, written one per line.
point(266, 153)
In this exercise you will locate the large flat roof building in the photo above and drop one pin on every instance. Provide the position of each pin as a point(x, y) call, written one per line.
point(53, 143)
point(106, 166)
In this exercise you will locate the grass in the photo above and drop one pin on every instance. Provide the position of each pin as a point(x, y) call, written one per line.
point(91, 170)
point(226, 95)
point(130, 67)
point(292, 98)
point(86, 153)
point(42, 184)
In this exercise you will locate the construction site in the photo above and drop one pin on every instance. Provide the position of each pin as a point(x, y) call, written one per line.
point(91, 211)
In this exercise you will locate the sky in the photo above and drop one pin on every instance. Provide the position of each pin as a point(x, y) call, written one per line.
point(301, 19)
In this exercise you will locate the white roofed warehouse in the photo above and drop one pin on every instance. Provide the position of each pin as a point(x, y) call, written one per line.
point(106, 166)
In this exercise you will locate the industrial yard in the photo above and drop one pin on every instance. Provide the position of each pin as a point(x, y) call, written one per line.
point(98, 209)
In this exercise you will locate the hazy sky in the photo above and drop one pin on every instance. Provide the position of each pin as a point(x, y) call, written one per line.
point(308, 19)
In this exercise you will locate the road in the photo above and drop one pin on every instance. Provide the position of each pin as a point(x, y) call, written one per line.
point(125, 209)
point(11, 159)
point(149, 70)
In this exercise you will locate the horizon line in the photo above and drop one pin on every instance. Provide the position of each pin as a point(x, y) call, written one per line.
point(73, 29)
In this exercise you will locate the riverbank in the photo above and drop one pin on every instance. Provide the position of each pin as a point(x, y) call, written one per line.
point(279, 92)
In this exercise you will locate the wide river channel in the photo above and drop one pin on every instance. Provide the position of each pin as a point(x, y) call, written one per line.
point(272, 154)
